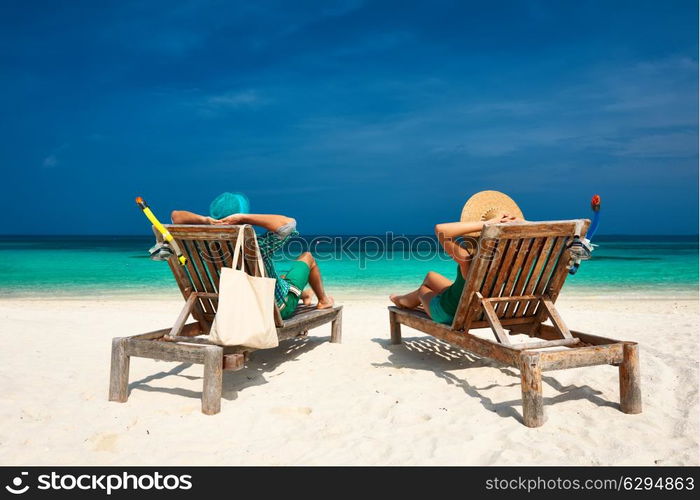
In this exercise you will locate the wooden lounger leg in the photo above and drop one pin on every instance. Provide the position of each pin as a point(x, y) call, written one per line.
point(630, 384)
point(395, 328)
point(337, 328)
point(213, 380)
point(531, 383)
point(119, 372)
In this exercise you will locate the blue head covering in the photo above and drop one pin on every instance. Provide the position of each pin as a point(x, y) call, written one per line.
point(227, 204)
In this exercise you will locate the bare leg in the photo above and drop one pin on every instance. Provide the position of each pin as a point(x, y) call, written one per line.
point(409, 300)
point(433, 282)
point(316, 282)
point(306, 297)
point(425, 299)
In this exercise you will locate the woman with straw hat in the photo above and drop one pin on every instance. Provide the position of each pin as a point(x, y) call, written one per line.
point(438, 295)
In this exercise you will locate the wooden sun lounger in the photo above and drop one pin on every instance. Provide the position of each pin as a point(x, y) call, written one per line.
point(513, 283)
point(208, 249)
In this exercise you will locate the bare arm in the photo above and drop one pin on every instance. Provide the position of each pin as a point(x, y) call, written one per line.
point(185, 217)
point(448, 231)
point(454, 229)
point(270, 222)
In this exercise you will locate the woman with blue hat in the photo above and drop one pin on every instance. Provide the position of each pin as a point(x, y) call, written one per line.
point(233, 209)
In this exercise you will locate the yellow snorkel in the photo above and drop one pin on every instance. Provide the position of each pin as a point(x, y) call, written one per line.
point(161, 229)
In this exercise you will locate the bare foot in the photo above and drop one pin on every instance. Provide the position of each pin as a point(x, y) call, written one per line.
point(326, 303)
point(306, 297)
point(397, 299)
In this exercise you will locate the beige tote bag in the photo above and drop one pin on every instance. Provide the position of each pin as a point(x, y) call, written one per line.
point(245, 314)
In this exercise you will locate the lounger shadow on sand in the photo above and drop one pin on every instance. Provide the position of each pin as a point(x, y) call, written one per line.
point(251, 375)
point(440, 358)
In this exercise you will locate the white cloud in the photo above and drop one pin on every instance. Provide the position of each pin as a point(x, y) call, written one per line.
point(238, 99)
point(50, 161)
point(677, 145)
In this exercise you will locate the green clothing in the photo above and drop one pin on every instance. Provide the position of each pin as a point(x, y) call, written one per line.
point(436, 312)
point(268, 244)
point(297, 276)
point(449, 299)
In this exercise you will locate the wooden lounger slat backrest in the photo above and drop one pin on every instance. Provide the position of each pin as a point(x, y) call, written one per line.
point(552, 260)
point(200, 281)
point(537, 268)
point(524, 261)
point(524, 275)
point(208, 249)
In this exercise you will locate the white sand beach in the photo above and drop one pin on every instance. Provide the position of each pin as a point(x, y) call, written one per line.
point(360, 402)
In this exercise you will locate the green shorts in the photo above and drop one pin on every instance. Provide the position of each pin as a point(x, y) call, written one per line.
point(437, 313)
point(297, 276)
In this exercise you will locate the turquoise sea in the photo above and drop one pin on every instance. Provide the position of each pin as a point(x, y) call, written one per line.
point(68, 266)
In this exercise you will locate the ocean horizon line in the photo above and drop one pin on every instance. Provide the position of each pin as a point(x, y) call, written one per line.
point(348, 235)
point(102, 262)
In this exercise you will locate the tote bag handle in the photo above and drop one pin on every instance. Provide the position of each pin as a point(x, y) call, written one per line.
point(237, 252)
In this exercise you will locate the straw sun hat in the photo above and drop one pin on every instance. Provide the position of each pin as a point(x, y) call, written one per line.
point(486, 205)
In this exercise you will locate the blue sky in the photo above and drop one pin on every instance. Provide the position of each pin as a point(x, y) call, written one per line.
point(353, 117)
